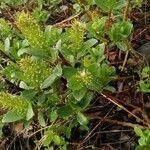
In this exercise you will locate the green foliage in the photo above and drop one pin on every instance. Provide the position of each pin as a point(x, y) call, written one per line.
point(97, 27)
point(40, 15)
point(57, 71)
point(136, 3)
point(50, 2)
point(106, 5)
point(120, 31)
point(52, 136)
point(144, 138)
point(38, 69)
point(144, 84)
point(14, 2)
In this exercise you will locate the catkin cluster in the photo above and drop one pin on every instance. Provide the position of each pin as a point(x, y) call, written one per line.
point(34, 71)
point(84, 77)
point(13, 103)
point(76, 34)
point(31, 31)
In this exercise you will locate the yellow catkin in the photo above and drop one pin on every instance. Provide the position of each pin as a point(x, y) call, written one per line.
point(84, 77)
point(76, 34)
point(31, 30)
point(14, 103)
point(34, 71)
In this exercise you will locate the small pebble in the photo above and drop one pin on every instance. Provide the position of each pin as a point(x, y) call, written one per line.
point(145, 50)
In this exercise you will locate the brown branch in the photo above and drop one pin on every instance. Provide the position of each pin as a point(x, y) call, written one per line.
point(66, 22)
point(116, 122)
point(125, 15)
point(125, 109)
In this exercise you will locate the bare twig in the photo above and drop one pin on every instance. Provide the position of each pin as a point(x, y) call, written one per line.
point(125, 109)
point(125, 17)
point(66, 22)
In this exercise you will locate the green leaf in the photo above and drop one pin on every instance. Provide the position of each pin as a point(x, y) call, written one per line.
point(137, 3)
point(25, 43)
point(120, 31)
point(96, 85)
point(106, 5)
point(53, 116)
point(64, 147)
point(110, 88)
point(107, 73)
point(100, 50)
point(7, 44)
point(97, 53)
point(146, 72)
point(48, 82)
point(82, 119)
point(138, 131)
point(82, 104)
point(144, 86)
point(75, 84)
point(58, 70)
point(67, 131)
point(23, 85)
point(70, 58)
point(142, 141)
point(58, 45)
point(86, 101)
point(97, 27)
point(32, 51)
point(49, 137)
point(90, 43)
point(30, 112)
point(120, 4)
point(68, 72)
point(77, 7)
point(52, 35)
point(65, 111)
point(56, 139)
point(54, 54)
point(28, 94)
point(12, 116)
point(41, 119)
point(94, 69)
point(79, 94)
point(122, 46)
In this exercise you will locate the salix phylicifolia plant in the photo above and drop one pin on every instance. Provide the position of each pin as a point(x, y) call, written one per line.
point(58, 71)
